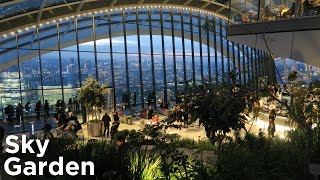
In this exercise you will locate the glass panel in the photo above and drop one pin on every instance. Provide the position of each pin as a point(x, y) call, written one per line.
point(104, 68)
point(169, 60)
point(30, 72)
point(50, 69)
point(70, 70)
point(48, 37)
point(188, 49)
point(19, 8)
point(87, 65)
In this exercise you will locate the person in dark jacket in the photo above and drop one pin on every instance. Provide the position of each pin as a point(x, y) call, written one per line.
point(46, 130)
point(106, 121)
point(46, 108)
point(38, 109)
point(150, 114)
point(19, 112)
point(116, 117)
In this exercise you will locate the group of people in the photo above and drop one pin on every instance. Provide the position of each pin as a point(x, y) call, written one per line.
point(72, 106)
point(10, 111)
point(66, 122)
point(181, 115)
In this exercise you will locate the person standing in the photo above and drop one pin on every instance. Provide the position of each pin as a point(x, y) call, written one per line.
point(150, 114)
point(46, 108)
point(38, 109)
point(116, 117)
point(76, 104)
point(134, 98)
point(71, 105)
point(106, 121)
point(272, 125)
point(11, 112)
point(19, 111)
point(27, 108)
point(6, 111)
point(185, 116)
point(47, 130)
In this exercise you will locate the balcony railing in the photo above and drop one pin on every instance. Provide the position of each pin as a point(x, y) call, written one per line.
point(269, 10)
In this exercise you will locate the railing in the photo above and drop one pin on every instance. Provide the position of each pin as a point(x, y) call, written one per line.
point(270, 10)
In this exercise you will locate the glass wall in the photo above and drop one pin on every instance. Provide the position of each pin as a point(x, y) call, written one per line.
point(144, 53)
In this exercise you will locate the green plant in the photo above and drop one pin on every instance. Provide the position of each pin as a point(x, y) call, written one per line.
point(143, 165)
point(192, 144)
point(91, 94)
point(220, 108)
point(260, 158)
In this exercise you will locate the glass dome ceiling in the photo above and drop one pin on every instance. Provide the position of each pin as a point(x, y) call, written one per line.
point(14, 10)
point(17, 7)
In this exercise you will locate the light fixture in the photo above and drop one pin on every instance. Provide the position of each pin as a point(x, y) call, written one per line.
point(138, 7)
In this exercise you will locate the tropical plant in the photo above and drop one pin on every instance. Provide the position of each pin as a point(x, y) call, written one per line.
point(91, 94)
point(220, 108)
point(260, 158)
point(143, 165)
point(303, 113)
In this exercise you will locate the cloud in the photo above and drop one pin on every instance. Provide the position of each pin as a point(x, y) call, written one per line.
point(105, 42)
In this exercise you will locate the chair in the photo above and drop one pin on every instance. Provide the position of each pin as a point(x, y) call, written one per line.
point(290, 12)
point(268, 15)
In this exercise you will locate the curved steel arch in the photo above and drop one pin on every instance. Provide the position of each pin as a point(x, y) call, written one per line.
point(88, 38)
point(44, 14)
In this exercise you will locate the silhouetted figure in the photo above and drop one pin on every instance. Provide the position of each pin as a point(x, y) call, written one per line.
point(46, 130)
point(19, 112)
point(27, 107)
point(134, 98)
point(58, 106)
point(63, 106)
point(38, 109)
point(46, 108)
point(150, 114)
point(7, 112)
point(149, 99)
point(185, 115)
point(114, 128)
point(70, 105)
point(272, 126)
point(106, 121)
point(162, 105)
point(116, 117)
point(76, 104)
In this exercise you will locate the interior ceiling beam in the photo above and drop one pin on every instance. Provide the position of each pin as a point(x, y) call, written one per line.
point(9, 3)
point(165, 2)
point(87, 1)
point(21, 23)
point(219, 10)
point(113, 3)
point(79, 7)
point(43, 3)
point(186, 3)
point(205, 5)
point(141, 1)
point(223, 5)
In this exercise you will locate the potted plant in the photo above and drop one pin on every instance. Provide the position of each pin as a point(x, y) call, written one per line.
point(92, 96)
